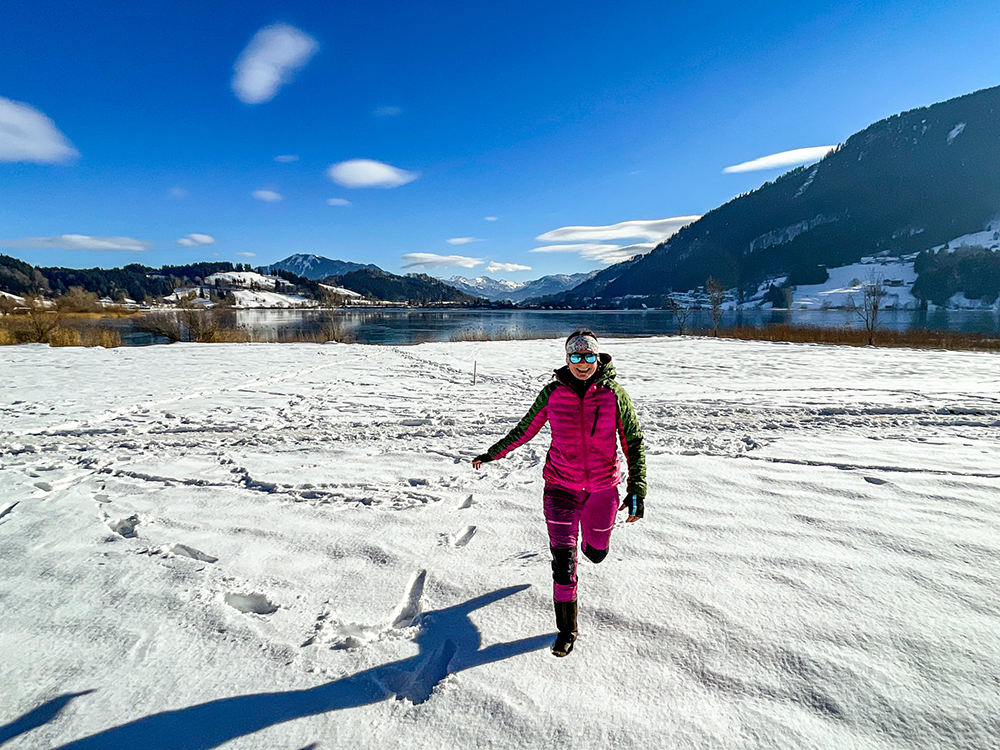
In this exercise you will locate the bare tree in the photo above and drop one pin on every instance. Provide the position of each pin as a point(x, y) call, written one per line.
point(78, 300)
point(167, 325)
point(716, 296)
point(41, 320)
point(680, 312)
point(328, 297)
point(872, 294)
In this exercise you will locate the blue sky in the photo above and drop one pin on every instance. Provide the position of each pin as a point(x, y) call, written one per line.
point(538, 137)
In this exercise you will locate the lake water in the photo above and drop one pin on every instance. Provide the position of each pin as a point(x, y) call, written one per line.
point(409, 326)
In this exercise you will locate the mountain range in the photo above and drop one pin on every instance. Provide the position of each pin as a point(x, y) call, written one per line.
point(907, 183)
point(318, 268)
point(514, 291)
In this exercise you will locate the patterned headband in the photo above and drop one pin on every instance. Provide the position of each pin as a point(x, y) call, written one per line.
point(582, 343)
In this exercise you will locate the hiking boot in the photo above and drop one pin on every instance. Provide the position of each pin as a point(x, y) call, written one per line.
point(566, 625)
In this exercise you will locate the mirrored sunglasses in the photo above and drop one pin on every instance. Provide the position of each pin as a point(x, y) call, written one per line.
point(589, 358)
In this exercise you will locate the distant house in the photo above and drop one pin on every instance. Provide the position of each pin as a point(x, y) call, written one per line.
point(893, 282)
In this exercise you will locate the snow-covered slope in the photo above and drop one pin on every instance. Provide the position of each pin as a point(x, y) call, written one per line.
point(243, 278)
point(846, 282)
point(285, 546)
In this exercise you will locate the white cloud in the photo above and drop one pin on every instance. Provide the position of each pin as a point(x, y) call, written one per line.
point(618, 254)
point(245, 255)
point(366, 173)
point(80, 242)
point(463, 240)
point(783, 159)
point(273, 57)
point(178, 192)
point(491, 218)
point(432, 260)
point(572, 248)
point(338, 202)
point(28, 135)
point(387, 111)
point(268, 196)
point(600, 252)
point(286, 158)
point(506, 268)
point(590, 242)
point(196, 240)
point(655, 231)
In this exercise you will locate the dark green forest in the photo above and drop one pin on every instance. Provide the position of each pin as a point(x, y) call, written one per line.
point(134, 281)
point(418, 288)
point(973, 270)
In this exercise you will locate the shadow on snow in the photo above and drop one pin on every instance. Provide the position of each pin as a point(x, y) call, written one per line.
point(448, 643)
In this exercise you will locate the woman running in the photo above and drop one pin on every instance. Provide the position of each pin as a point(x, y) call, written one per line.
point(589, 414)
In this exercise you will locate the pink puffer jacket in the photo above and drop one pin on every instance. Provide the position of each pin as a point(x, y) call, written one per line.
point(585, 433)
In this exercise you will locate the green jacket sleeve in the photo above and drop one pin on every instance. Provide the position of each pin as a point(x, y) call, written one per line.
point(630, 435)
point(527, 428)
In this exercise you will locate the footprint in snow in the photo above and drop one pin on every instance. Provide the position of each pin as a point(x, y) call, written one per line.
point(408, 609)
point(183, 550)
point(876, 480)
point(254, 603)
point(125, 526)
point(6, 509)
point(463, 537)
point(44, 486)
point(348, 635)
point(467, 503)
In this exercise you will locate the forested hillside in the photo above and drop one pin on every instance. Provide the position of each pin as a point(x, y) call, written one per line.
point(907, 183)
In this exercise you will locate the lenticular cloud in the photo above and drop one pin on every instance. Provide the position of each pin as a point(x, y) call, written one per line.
point(367, 173)
point(28, 135)
point(196, 240)
point(595, 243)
point(433, 260)
point(783, 159)
point(79, 242)
point(273, 57)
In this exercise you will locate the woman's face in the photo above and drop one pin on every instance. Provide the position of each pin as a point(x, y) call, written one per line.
point(583, 369)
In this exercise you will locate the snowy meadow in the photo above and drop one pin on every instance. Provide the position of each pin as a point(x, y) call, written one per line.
point(286, 546)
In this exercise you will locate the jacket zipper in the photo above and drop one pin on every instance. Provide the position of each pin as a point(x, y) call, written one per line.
point(597, 411)
point(583, 441)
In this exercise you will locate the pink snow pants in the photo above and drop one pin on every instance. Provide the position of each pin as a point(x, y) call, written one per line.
point(568, 511)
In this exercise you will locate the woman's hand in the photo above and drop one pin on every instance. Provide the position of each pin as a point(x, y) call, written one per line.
point(482, 458)
point(635, 506)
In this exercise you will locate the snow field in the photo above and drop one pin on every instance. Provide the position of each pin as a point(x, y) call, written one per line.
point(817, 569)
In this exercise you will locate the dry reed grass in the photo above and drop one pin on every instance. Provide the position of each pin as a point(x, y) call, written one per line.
point(505, 334)
point(109, 338)
point(65, 337)
point(914, 338)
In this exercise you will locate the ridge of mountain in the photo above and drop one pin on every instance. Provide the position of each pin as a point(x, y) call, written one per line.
point(902, 185)
point(316, 267)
